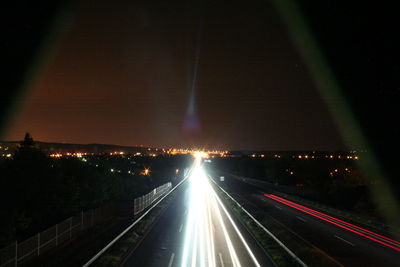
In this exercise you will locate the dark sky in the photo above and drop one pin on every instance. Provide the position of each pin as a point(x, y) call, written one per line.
point(121, 72)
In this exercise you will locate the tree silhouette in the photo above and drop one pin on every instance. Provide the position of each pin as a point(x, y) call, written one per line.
point(27, 142)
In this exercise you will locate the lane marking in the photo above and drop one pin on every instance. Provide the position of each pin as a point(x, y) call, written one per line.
point(278, 207)
point(220, 258)
point(180, 228)
point(171, 259)
point(345, 240)
point(301, 219)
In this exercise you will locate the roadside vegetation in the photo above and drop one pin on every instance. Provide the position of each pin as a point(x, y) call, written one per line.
point(335, 182)
point(38, 191)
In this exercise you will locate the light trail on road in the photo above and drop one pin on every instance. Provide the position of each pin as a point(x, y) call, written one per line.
point(210, 231)
point(383, 240)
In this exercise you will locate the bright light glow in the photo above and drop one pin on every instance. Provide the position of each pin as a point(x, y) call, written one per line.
point(145, 172)
point(200, 154)
point(208, 225)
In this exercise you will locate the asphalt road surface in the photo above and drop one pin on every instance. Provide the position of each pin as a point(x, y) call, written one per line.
point(342, 245)
point(197, 230)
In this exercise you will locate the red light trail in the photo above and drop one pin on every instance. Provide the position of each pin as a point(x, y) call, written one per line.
point(338, 222)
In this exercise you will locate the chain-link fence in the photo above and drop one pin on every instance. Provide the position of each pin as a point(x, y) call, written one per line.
point(143, 202)
point(32, 247)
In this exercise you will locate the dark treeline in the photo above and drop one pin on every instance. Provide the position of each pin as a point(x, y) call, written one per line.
point(336, 182)
point(37, 191)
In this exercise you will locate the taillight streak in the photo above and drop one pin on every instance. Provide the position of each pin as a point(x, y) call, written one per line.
point(311, 212)
point(336, 219)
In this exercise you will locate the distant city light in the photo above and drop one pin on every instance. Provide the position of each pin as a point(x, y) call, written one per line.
point(145, 172)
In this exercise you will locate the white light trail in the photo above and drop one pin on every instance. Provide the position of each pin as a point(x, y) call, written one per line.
point(238, 232)
point(205, 222)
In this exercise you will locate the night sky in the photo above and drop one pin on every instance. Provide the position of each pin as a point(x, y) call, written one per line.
point(121, 72)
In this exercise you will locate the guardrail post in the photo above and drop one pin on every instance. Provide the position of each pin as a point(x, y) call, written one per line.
point(70, 227)
point(134, 206)
point(38, 244)
point(16, 253)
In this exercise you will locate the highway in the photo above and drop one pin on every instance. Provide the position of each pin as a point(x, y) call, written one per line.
point(196, 229)
point(345, 244)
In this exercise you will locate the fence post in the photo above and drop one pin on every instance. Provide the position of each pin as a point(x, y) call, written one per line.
point(16, 253)
point(57, 234)
point(38, 244)
point(135, 206)
point(70, 227)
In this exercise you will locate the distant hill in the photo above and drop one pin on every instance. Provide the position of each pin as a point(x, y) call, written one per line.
point(66, 147)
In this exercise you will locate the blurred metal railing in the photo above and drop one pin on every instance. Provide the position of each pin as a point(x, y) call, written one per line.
point(20, 252)
point(17, 253)
point(143, 202)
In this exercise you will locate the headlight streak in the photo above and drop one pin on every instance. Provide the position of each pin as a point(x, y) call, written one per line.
point(204, 210)
point(210, 247)
point(237, 231)
point(232, 252)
